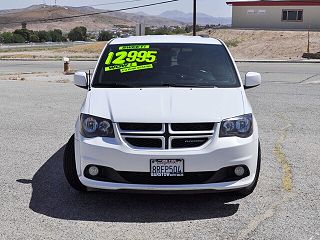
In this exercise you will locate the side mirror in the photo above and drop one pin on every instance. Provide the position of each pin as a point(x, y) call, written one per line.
point(252, 79)
point(80, 80)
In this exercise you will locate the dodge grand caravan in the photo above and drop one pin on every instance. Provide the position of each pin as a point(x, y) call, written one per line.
point(165, 113)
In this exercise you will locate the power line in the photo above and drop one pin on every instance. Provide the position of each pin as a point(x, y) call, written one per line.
point(91, 14)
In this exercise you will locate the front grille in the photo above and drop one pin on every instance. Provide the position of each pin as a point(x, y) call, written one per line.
point(144, 142)
point(192, 126)
point(165, 135)
point(188, 142)
point(140, 126)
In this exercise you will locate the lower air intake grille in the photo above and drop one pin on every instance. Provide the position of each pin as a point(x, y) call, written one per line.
point(110, 175)
point(145, 178)
point(144, 142)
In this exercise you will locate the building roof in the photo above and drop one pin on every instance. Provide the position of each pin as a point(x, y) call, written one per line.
point(276, 3)
point(165, 39)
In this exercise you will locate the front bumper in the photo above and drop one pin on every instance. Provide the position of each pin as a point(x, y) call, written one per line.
point(220, 153)
point(224, 186)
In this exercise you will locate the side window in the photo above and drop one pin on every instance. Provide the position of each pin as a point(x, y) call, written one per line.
point(293, 15)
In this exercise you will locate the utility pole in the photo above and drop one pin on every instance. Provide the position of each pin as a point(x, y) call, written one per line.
point(308, 47)
point(194, 17)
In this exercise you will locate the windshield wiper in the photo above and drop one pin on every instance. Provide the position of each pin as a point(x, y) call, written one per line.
point(187, 85)
point(114, 85)
point(120, 85)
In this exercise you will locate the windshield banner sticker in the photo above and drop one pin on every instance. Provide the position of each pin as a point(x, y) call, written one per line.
point(129, 60)
point(137, 68)
point(134, 47)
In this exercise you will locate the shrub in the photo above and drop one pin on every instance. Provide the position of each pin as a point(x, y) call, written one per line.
point(105, 36)
point(7, 37)
point(17, 38)
point(78, 34)
point(43, 36)
point(25, 33)
point(56, 35)
point(34, 38)
point(232, 43)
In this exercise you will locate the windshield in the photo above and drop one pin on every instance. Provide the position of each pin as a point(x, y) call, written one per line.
point(166, 65)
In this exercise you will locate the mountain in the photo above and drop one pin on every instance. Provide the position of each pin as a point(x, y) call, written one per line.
point(202, 18)
point(104, 21)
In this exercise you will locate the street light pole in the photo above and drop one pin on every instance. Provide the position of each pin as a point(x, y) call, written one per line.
point(194, 17)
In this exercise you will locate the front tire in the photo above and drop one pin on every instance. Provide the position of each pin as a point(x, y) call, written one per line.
point(248, 190)
point(69, 167)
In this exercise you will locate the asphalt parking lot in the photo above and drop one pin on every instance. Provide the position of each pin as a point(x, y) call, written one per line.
point(38, 108)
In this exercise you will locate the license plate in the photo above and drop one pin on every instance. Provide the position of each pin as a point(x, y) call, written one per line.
point(166, 167)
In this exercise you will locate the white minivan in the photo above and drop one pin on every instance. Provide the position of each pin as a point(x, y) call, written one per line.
point(165, 113)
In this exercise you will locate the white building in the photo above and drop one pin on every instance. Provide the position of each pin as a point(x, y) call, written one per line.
point(290, 14)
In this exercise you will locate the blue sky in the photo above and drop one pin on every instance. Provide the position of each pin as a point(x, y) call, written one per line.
point(216, 8)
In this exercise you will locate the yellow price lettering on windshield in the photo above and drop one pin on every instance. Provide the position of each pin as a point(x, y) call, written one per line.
point(131, 56)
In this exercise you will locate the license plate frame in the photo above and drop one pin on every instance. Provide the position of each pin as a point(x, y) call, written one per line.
point(166, 167)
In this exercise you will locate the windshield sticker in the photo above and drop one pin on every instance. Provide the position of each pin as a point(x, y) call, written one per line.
point(136, 68)
point(134, 47)
point(131, 60)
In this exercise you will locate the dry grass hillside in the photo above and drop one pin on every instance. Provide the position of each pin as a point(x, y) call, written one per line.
point(93, 22)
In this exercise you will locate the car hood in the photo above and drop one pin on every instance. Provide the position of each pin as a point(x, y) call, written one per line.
point(165, 105)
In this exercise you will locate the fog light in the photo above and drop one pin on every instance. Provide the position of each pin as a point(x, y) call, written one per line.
point(239, 171)
point(93, 171)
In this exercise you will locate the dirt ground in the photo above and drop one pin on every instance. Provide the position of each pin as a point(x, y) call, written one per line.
point(87, 51)
point(243, 44)
point(263, 44)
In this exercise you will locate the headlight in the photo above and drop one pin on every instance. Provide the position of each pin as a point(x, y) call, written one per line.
point(92, 126)
point(240, 126)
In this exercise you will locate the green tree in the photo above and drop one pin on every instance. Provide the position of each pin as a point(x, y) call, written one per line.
point(162, 31)
point(34, 38)
point(149, 31)
point(25, 33)
point(178, 30)
point(105, 36)
point(158, 31)
point(78, 34)
point(188, 29)
point(17, 38)
point(56, 35)
point(7, 37)
point(64, 38)
point(43, 36)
